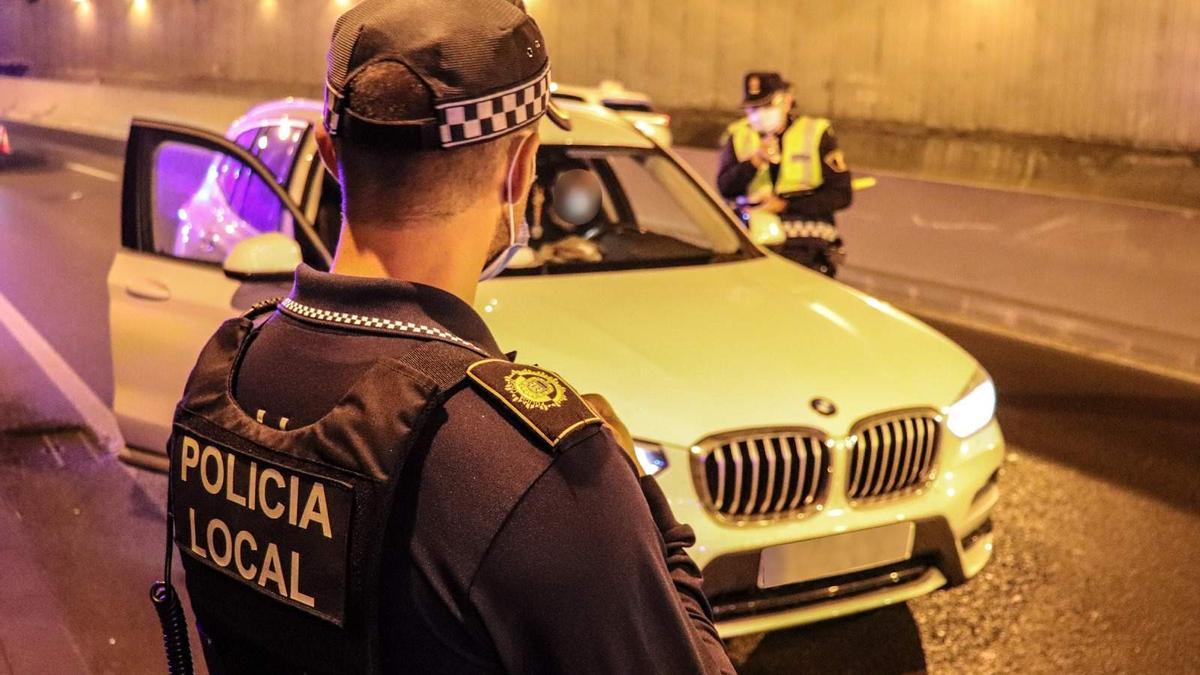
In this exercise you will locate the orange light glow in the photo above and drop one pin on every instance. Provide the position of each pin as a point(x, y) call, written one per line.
point(139, 11)
point(85, 17)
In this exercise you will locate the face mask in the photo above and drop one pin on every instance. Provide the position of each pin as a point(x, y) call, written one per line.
point(768, 119)
point(518, 233)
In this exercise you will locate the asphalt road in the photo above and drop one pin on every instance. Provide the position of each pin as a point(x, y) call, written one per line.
point(59, 230)
point(1098, 530)
point(1128, 264)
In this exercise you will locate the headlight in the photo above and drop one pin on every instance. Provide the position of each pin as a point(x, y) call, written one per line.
point(975, 408)
point(650, 456)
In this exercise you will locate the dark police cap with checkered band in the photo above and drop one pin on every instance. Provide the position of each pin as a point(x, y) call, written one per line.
point(484, 61)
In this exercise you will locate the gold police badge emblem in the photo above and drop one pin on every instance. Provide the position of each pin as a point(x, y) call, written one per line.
point(539, 398)
point(755, 85)
point(535, 389)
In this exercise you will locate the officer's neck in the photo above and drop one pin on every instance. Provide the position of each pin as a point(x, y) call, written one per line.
point(435, 254)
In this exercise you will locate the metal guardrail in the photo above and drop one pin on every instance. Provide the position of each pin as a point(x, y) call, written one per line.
point(1170, 355)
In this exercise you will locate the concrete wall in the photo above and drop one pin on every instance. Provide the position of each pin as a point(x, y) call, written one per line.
point(265, 45)
point(1120, 71)
point(1111, 71)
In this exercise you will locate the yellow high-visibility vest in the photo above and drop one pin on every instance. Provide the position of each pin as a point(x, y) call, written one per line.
point(800, 164)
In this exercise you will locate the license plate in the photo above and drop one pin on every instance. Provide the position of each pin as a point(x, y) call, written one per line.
point(835, 555)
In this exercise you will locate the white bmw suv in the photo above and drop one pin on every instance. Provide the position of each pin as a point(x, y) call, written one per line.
point(832, 453)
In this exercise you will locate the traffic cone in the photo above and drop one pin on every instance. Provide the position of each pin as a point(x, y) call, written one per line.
point(5, 148)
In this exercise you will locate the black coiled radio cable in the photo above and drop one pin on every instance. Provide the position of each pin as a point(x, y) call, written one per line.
point(170, 612)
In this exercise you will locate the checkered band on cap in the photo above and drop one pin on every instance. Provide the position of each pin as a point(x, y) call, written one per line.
point(487, 117)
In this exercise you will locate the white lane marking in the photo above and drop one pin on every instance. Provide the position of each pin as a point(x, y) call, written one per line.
point(1035, 232)
point(951, 225)
point(95, 414)
point(93, 172)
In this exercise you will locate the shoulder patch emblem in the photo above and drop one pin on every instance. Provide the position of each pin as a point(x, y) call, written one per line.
point(537, 397)
point(836, 161)
point(535, 389)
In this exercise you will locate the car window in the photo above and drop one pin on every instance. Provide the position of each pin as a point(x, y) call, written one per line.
point(277, 146)
point(205, 202)
point(652, 215)
point(230, 181)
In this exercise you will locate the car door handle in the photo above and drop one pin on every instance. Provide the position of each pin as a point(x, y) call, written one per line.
point(149, 289)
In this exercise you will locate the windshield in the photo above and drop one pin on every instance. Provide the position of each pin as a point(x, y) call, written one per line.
point(652, 215)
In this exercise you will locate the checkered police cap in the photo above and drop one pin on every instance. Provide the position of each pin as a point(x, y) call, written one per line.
point(484, 61)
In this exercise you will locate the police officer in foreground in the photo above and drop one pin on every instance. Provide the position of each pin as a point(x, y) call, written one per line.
point(789, 165)
point(361, 480)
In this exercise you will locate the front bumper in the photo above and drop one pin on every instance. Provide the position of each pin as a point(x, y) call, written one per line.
point(954, 541)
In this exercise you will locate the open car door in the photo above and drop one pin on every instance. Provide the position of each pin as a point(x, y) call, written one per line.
point(192, 203)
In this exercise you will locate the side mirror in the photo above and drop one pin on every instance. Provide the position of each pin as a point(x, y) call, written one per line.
point(265, 257)
point(766, 229)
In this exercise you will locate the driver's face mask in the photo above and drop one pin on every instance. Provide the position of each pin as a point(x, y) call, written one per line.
point(518, 233)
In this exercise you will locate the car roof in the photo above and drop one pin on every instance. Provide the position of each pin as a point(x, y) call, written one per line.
point(608, 90)
point(592, 125)
point(277, 112)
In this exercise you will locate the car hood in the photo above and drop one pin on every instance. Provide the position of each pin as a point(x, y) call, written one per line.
point(683, 353)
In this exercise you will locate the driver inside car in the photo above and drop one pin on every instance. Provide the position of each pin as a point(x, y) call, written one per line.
point(564, 213)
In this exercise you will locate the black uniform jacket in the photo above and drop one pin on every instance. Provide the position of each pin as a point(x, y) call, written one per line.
point(834, 194)
point(504, 556)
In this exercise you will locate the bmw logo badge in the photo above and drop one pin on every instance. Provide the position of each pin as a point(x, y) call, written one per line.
point(823, 406)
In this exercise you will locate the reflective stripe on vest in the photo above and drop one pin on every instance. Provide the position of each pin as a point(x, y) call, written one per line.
point(800, 164)
point(810, 229)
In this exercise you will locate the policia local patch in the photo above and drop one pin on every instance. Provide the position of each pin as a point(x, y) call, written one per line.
point(280, 531)
point(538, 397)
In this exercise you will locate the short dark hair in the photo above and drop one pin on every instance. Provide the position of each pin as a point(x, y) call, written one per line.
point(382, 184)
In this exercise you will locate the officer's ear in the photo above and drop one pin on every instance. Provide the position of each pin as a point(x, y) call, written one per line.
point(522, 161)
point(327, 150)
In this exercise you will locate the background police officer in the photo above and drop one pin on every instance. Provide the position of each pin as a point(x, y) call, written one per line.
point(789, 165)
point(361, 480)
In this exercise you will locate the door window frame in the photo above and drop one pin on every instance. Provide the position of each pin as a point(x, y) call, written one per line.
point(137, 207)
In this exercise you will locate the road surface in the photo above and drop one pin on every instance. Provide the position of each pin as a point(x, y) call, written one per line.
point(59, 208)
point(1118, 277)
point(1098, 529)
